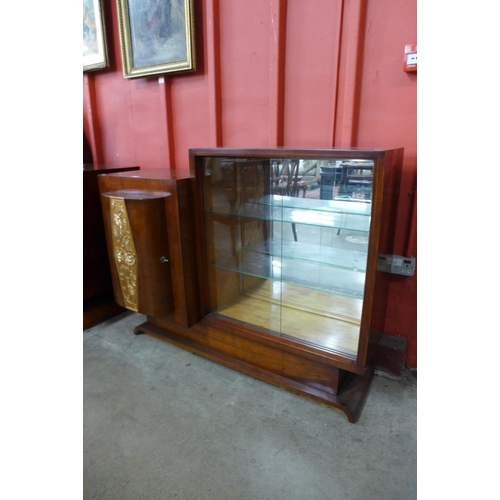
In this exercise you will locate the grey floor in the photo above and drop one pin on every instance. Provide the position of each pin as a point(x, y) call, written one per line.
point(162, 423)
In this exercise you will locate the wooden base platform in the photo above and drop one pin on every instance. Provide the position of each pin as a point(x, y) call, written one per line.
point(349, 399)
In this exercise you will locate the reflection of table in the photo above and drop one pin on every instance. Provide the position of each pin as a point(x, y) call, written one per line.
point(329, 178)
point(356, 182)
point(346, 181)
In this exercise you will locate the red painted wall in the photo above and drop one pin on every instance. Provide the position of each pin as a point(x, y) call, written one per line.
point(387, 116)
point(316, 73)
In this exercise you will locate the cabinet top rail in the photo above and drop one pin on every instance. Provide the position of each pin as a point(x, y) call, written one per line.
point(289, 152)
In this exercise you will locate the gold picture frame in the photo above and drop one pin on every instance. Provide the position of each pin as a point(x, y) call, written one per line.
point(95, 51)
point(156, 36)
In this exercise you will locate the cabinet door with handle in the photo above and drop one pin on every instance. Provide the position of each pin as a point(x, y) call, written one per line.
point(137, 239)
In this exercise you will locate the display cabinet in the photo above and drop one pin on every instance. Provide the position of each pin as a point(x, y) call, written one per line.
point(288, 289)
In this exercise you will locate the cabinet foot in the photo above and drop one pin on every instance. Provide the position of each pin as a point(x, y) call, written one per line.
point(139, 331)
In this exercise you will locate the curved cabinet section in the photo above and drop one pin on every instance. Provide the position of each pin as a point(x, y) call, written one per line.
point(136, 233)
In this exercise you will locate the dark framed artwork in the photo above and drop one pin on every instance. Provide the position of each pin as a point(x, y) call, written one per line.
point(156, 36)
point(95, 53)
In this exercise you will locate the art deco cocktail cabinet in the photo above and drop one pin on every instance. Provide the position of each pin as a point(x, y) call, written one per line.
point(241, 261)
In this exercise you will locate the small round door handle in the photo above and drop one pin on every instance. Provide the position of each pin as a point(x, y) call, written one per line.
point(163, 259)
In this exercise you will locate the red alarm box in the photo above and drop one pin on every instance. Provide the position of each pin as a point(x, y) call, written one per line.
point(410, 61)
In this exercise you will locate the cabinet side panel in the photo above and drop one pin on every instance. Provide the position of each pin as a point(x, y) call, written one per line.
point(392, 183)
point(377, 220)
point(200, 236)
point(187, 239)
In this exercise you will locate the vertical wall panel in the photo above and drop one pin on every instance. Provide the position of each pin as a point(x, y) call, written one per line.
point(194, 96)
point(212, 58)
point(245, 55)
point(115, 113)
point(277, 44)
point(387, 101)
point(91, 126)
point(350, 71)
point(388, 118)
point(192, 121)
point(312, 52)
point(166, 117)
point(149, 132)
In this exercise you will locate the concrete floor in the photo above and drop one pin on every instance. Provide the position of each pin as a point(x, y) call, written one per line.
point(162, 423)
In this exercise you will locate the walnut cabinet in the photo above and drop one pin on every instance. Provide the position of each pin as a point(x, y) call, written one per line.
point(267, 274)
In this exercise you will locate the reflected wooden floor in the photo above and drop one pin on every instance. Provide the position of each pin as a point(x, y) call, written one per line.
point(311, 316)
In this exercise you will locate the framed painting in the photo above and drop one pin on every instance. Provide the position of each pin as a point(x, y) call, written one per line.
point(156, 36)
point(95, 53)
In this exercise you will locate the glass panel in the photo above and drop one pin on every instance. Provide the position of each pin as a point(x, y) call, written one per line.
point(287, 243)
point(237, 289)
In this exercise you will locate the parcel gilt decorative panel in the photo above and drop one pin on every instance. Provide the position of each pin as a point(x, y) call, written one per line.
point(124, 252)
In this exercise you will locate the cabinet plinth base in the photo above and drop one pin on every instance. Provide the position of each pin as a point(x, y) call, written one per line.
point(349, 398)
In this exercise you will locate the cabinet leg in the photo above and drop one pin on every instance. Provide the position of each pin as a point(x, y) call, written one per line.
point(139, 331)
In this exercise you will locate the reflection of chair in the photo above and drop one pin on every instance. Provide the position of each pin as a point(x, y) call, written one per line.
point(285, 178)
point(355, 184)
point(252, 180)
point(228, 174)
point(309, 174)
point(242, 183)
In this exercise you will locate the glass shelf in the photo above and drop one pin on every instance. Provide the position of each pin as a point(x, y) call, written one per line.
point(343, 259)
point(305, 273)
point(334, 214)
point(345, 206)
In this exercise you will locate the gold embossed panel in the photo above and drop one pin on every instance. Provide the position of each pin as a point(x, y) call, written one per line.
point(124, 253)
